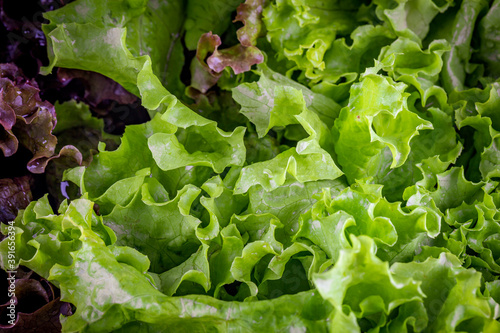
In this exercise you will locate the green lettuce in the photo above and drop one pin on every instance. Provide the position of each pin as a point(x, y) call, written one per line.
point(127, 33)
point(376, 127)
point(341, 178)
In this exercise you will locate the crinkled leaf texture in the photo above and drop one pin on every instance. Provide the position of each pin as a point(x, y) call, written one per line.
point(377, 117)
point(303, 31)
point(431, 296)
point(206, 226)
point(399, 232)
point(128, 33)
point(77, 251)
point(301, 161)
point(116, 282)
point(272, 101)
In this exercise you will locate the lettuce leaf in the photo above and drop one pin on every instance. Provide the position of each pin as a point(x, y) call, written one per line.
point(489, 44)
point(348, 183)
point(299, 161)
point(367, 288)
point(302, 31)
point(264, 102)
point(29, 121)
point(125, 33)
point(403, 297)
point(123, 271)
point(376, 127)
point(410, 18)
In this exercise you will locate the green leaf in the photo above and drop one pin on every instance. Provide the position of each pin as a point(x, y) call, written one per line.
point(267, 105)
point(377, 117)
point(456, 303)
point(299, 162)
point(344, 61)
point(194, 269)
point(459, 35)
point(43, 239)
point(289, 201)
point(194, 224)
point(122, 33)
point(74, 114)
point(117, 278)
point(302, 31)
point(133, 154)
point(399, 232)
point(198, 142)
point(480, 226)
point(273, 101)
point(488, 27)
point(164, 231)
point(242, 266)
point(452, 190)
point(361, 285)
point(410, 18)
point(221, 261)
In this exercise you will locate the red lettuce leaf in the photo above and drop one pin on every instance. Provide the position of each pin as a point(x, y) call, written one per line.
point(27, 120)
point(202, 77)
point(15, 194)
point(38, 304)
point(210, 61)
point(240, 58)
point(250, 14)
